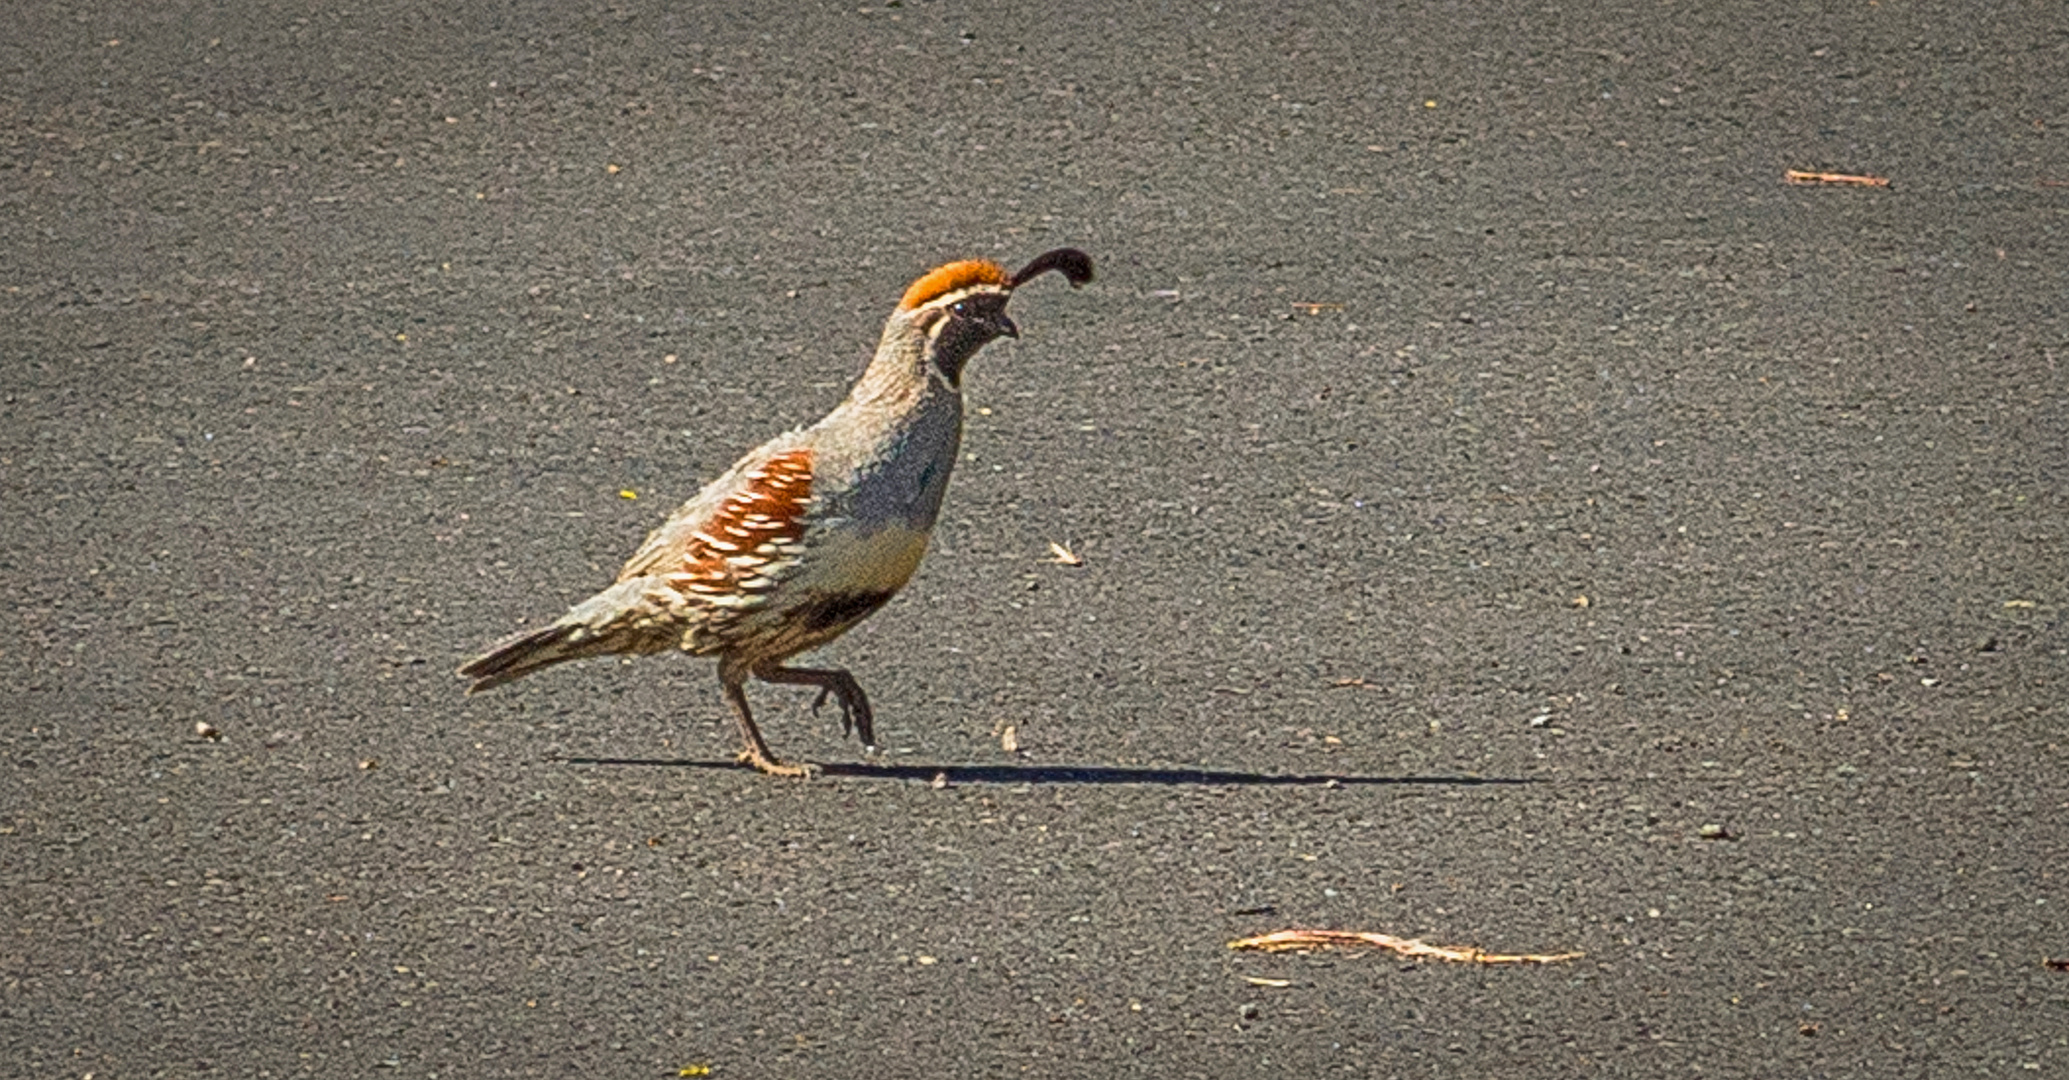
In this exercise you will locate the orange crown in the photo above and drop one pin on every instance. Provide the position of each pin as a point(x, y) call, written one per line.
point(943, 280)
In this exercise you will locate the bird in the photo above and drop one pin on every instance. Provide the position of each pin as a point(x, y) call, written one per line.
point(810, 533)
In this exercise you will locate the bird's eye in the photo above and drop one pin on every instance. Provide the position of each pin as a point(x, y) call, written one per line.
point(960, 307)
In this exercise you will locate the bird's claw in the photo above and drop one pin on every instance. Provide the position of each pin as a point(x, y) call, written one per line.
point(847, 711)
point(803, 770)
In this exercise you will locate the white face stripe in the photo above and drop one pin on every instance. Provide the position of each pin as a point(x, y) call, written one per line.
point(928, 315)
point(948, 300)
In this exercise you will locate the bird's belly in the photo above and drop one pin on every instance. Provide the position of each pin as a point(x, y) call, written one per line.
point(842, 580)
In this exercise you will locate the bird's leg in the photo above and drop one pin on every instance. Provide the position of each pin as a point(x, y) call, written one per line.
point(757, 752)
point(855, 714)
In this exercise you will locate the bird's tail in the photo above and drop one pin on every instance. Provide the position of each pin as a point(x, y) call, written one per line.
point(521, 654)
point(616, 620)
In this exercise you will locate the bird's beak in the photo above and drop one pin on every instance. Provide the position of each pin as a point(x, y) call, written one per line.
point(1005, 326)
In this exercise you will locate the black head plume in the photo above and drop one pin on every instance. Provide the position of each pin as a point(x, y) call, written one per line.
point(1075, 265)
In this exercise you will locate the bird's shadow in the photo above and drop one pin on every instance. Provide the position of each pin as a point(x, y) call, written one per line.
point(1075, 774)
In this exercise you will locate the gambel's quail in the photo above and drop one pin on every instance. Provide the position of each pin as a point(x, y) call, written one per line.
point(807, 535)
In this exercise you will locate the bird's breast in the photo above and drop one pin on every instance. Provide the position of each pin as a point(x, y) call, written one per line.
point(848, 557)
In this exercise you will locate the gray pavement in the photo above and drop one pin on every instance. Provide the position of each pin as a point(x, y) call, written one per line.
point(1511, 516)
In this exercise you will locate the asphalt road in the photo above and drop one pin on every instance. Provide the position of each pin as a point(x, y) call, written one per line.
point(1510, 515)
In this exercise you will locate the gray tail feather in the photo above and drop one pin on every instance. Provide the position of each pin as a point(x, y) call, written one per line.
point(521, 654)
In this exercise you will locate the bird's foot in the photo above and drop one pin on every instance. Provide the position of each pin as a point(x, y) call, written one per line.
point(824, 693)
point(850, 717)
point(768, 763)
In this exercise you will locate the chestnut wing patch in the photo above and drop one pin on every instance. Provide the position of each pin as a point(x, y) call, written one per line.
point(736, 556)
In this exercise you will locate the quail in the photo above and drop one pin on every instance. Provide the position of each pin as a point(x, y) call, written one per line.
point(813, 531)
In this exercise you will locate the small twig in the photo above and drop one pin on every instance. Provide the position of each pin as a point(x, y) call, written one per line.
point(1466, 954)
point(1063, 555)
point(1796, 176)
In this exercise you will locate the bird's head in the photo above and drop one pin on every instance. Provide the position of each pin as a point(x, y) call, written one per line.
point(960, 308)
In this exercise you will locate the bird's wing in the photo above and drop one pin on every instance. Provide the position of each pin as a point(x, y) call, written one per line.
point(731, 545)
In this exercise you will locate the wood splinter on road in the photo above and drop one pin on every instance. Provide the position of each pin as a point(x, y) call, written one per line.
point(1465, 954)
point(1797, 176)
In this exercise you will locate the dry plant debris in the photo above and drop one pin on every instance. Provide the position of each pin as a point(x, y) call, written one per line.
point(1797, 176)
point(1462, 954)
point(1063, 555)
